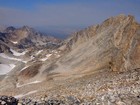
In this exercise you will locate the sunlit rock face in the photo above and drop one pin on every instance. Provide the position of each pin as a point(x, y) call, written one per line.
point(114, 44)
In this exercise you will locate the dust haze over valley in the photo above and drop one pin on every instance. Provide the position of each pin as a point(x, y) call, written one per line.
point(69, 52)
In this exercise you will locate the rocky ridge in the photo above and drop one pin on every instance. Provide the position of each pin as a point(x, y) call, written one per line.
point(113, 44)
point(26, 37)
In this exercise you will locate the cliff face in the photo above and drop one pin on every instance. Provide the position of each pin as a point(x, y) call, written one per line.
point(115, 44)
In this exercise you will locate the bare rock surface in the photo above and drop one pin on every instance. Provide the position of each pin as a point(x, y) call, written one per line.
point(114, 44)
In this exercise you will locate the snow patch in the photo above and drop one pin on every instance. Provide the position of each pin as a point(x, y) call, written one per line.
point(32, 57)
point(47, 56)
point(44, 59)
point(14, 42)
point(11, 58)
point(53, 51)
point(24, 68)
point(15, 53)
point(7, 57)
point(6, 68)
point(38, 52)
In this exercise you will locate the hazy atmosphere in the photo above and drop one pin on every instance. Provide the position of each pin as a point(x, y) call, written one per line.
point(62, 17)
point(69, 52)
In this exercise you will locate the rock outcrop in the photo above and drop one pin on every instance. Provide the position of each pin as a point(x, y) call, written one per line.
point(114, 44)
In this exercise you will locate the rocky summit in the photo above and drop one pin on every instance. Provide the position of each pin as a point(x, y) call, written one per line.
point(99, 65)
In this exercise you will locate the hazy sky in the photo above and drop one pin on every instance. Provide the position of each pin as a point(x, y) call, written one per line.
point(61, 17)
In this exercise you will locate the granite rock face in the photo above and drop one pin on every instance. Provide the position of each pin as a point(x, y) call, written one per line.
point(115, 44)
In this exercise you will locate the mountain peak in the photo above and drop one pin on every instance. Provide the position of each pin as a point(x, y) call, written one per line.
point(26, 28)
point(26, 37)
point(9, 29)
point(120, 19)
point(114, 33)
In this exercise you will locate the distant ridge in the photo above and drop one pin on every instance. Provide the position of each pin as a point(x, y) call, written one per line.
point(26, 37)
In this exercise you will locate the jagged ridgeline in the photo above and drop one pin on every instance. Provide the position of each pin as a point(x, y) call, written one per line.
point(26, 37)
point(97, 65)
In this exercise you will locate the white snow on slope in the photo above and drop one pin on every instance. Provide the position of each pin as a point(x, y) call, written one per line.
point(34, 82)
point(38, 52)
point(24, 68)
point(14, 42)
point(15, 53)
point(22, 95)
point(11, 58)
point(5, 68)
point(47, 56)
point(32, 57)
point(7, 57)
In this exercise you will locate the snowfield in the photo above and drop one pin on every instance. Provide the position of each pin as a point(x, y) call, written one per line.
point(11, 58)
point(7, 57)
point(6, 68)
point(15, 53)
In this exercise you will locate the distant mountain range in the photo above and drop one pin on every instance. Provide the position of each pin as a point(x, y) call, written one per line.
point(25, 37)
point(97, 65)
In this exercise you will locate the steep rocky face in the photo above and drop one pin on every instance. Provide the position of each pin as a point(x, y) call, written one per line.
point(3, 46)
point(114, 44)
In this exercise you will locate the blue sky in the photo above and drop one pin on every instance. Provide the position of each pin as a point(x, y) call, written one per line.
point(62, 17)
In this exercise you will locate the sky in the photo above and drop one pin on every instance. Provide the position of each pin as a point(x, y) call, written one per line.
point(63, 17)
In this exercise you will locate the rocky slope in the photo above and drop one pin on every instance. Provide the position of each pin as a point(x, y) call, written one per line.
point(21, 48)
point(114, 44)
point(95, 66)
